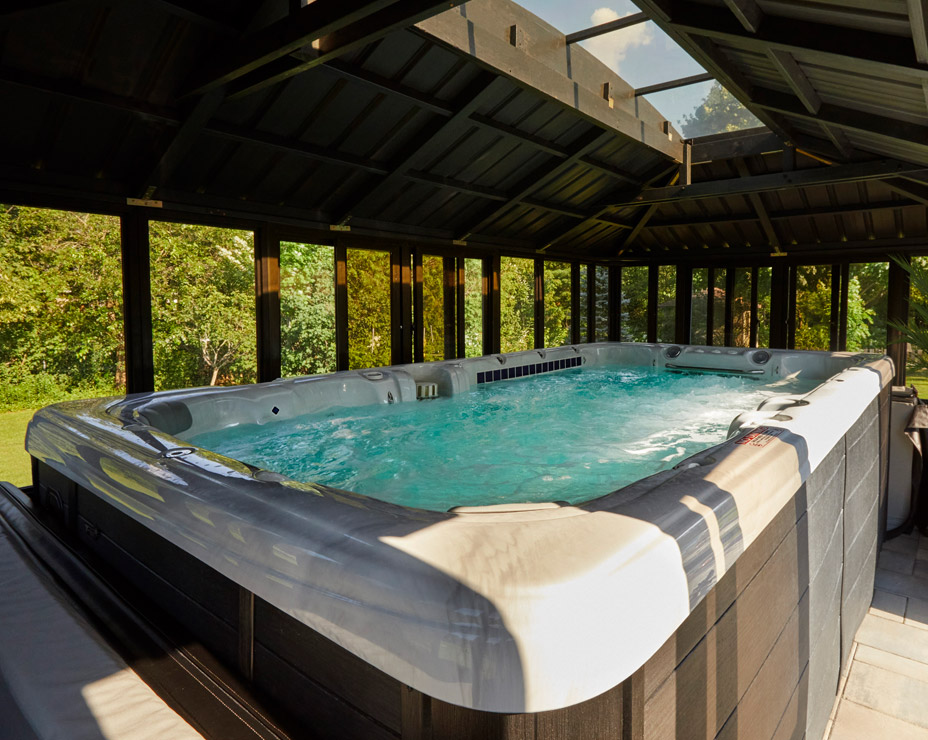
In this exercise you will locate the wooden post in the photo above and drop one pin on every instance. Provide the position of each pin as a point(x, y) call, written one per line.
point(779, 299)
point(267, 303)
point(710, 305)
point(449, 306)
point(615, 303)
point(575, 309)
point(401, 304)
point(539, 303)
point(653, 275)
point(835, 317)
point(341, 305)
point(491, 305)
point(791, 307)
point(897, 310)
point(729, 330)
point(754, 300)
point(136, 301)
point(842, 323)
point(591, 303)
point(418, 320)
point(460, 290)
point(683, 311)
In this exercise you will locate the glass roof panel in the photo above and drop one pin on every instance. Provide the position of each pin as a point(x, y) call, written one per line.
point(644, 55)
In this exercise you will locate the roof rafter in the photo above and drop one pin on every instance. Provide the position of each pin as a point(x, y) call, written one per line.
point(284, 37)
point(876, 170)
point(759, 208)
point(747, 12)
point(872, 51)
point(427, 142)
point(319, 46)
point(608, 27)
point(834, 116)
point(586, 143)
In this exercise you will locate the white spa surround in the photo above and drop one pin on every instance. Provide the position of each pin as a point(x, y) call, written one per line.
point(512, 608)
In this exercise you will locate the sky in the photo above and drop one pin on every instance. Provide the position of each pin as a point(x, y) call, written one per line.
point(641, 55)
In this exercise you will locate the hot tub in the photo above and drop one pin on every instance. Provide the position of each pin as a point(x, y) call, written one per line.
point(760, 549)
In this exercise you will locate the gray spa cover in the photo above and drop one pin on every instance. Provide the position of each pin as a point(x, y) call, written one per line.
point(66, 683)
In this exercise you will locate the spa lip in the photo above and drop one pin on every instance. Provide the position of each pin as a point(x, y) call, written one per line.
point(468, 606)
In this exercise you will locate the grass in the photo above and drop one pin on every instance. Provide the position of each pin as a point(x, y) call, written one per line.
point(918, 378)
point(14, 462)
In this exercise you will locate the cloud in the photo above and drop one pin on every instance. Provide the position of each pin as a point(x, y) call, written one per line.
point(611, 48)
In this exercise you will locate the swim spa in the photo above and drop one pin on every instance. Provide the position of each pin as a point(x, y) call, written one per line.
point(760, 547)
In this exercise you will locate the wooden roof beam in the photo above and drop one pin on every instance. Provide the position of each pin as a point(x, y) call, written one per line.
point(427, 143)
point(918, 20)
point(608, 27)
point(759, 208)
point(674, 84)
point(587, 143)
point(915, 191)
point(875, 170)
point(748, 13)
point(853, 50)
point(319, 46)
point(838, 117)
point(290, 34)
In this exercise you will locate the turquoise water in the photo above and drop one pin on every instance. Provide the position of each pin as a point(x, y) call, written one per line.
point(568, 436)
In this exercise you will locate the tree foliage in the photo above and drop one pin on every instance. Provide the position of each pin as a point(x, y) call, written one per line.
point(369, 337)
point(61, 331)
point(719, 112)
point(307, 309)
point(203, 305)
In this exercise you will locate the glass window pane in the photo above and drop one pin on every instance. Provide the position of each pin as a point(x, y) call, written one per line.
point(433, 308)
point(517, 304)
point(666, 303)
point(368, 308)
point(203, 305)
point(718, 311)
point(602, 303)
point(473, 308)
point(763, 306)
point(741, 308)
point(584, 317)
point(61, 323)
point(557, 303)
point(867, 299)
point(813, 306)
point(700, 306)
point(634, 304)
point(307, 309)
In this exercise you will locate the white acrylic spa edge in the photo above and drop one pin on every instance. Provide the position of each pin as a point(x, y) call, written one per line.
point(512, 608)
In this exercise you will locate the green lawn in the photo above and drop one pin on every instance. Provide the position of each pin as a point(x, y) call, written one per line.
point(14, 462)
point(918, 378)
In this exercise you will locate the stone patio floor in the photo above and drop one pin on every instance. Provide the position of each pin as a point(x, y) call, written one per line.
point(885, 692)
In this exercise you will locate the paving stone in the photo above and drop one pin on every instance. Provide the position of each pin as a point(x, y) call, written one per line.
point(903, 585)
point(897, 562)
point(892, 662)
point(898, 696)
point(921, 568)
point(856, 722)
point(916, 613)
point(906, 544)
point(900, 639)
point(887, 605)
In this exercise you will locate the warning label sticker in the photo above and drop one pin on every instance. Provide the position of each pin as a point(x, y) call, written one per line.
point(760, 437)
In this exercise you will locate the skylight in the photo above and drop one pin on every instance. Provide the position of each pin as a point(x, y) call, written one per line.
point(644, 55)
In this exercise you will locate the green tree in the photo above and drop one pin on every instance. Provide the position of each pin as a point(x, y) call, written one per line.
point(473, 308)
point(203, 305)
point(719, 111)
point(517, 304)
point(557, 303)
point(307, 309)
point(61, 330)
point(369, 336)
